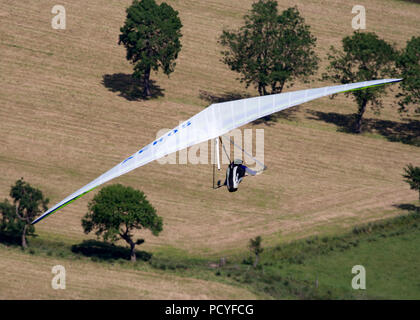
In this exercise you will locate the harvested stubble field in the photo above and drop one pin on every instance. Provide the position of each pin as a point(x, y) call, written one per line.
point(86, 280)
point(69, 113)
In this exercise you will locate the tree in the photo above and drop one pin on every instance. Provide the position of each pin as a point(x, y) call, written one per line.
point(255, 248)
point(412, 177)
point(364, 57)
point(408, 64)
point(8, 215)
point(151, 34)
point(10, 225)
point(270, 50)
point(116, 211)
point(29, 202)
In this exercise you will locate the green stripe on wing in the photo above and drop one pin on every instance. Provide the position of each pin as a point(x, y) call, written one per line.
point(371, 86)
point(62, 206)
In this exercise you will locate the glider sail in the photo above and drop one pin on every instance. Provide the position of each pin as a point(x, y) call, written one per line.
point(212, 122)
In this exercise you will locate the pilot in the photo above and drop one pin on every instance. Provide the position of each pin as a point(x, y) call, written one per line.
point(235, 172)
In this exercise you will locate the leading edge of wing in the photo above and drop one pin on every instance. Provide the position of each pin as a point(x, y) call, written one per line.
point(119, 170)
point(58, 207)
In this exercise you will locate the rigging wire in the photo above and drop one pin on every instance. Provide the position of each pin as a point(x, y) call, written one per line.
point(256, 160)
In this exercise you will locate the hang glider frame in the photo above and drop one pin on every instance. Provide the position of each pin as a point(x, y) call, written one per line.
point(217, 157)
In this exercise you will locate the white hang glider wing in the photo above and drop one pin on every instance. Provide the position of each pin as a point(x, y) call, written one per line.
point(212, 122)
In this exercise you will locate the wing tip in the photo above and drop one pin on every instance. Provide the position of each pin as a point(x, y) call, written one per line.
point(39, 218)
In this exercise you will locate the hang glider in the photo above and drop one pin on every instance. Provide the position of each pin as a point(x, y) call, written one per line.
point(214, 121)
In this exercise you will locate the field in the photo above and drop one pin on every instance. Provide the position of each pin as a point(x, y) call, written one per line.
point(311, 268)
point(69, 112)
point(21, 279)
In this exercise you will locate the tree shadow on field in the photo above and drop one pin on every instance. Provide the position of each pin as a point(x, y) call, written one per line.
point(130, 88)
point(10, 239)
point(407, 132)
point(408, 207)
point(107, 251)
point(217, 98)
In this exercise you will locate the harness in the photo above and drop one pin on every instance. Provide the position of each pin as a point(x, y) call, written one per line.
point(234, 175)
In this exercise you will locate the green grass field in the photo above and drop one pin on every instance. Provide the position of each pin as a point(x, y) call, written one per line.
point(388, 250)
point(392, 265)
